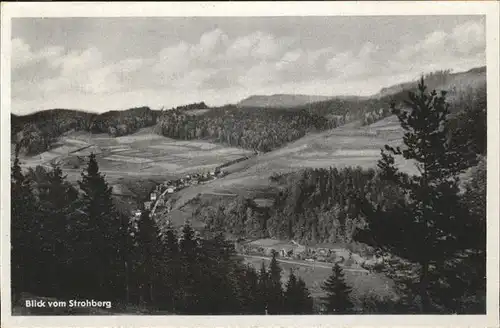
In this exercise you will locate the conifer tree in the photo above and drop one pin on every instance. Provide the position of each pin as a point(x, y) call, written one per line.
point(101, 233)
point(25, 239)
point(57, 200)
point(250, 291)
point(172, 268)
point(306, 301)
point(337, 299)
point(290, 295)
point(263, 289)
point(148, 244)
point(275, 295)
point(297, 299)
point(190, 270)
point(430, 229)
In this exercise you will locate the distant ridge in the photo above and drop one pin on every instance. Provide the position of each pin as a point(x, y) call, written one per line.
point(438, 80)
point(280, 100)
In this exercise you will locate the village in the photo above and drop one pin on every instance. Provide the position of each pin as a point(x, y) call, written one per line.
point(319, 253)
point(158, 198)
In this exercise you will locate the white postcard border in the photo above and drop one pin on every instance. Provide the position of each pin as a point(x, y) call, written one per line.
point(135, 9)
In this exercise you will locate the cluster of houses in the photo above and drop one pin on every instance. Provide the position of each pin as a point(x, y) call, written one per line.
point(293, 250)
point(172, 186)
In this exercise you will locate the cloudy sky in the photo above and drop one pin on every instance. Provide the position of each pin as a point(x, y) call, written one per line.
point(100, 64)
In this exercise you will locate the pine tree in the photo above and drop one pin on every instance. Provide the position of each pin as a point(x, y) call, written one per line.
point(263, 289)
point(149, 246)
point(25, 238)
point(297, 299)
point(172, 268)
point(190, 270)
point(101, 234)
point(290, 295)
point(249, 287)
point(306, 301)
point(57, 200)
point(337, 299)
point(275, 295)
point(430, 228)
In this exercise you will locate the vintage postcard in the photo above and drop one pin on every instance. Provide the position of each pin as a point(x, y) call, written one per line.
point(283, 164)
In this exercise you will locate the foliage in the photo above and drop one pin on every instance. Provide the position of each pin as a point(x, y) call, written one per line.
point(60, 236)
point(432, 227)
point(37, 132)
point(251, 128)
point(311, 206)
point(297, 299)
point(337, 299)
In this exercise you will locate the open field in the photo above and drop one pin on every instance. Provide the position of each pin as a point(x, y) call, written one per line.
point(143, 154)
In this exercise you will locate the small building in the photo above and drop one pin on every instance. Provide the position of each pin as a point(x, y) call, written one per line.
point(170, 190)
point(153, 197)
point(322, 251)
point(147, 205)
point(195, 181)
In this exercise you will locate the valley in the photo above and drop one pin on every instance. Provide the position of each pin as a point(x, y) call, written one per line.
point(182, 179)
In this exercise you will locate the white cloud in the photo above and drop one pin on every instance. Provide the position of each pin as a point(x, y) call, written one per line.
point(221, 69)
point(466, 43)
point(22, 55)
point(258, 46)
point(87, 72)
point(469, 37)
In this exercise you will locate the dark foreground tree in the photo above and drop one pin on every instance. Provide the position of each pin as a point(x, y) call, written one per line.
point(432, 228)
point(275, 293)
point(263, 288)
point(297, 299)
point(25, 224)
point(57, 200)
point(100, 235)
point(337, 299)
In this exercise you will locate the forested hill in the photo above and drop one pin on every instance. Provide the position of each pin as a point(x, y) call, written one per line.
point(258, 129)
point(35, 133)
point(439, 80)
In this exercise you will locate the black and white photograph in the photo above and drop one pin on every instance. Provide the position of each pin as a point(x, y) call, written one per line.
point(209, 164)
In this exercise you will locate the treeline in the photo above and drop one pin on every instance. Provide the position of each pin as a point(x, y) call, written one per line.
point(72, 243)
point(35, 133)
point(120, 123)
point(200, 105)
point(251, 128)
